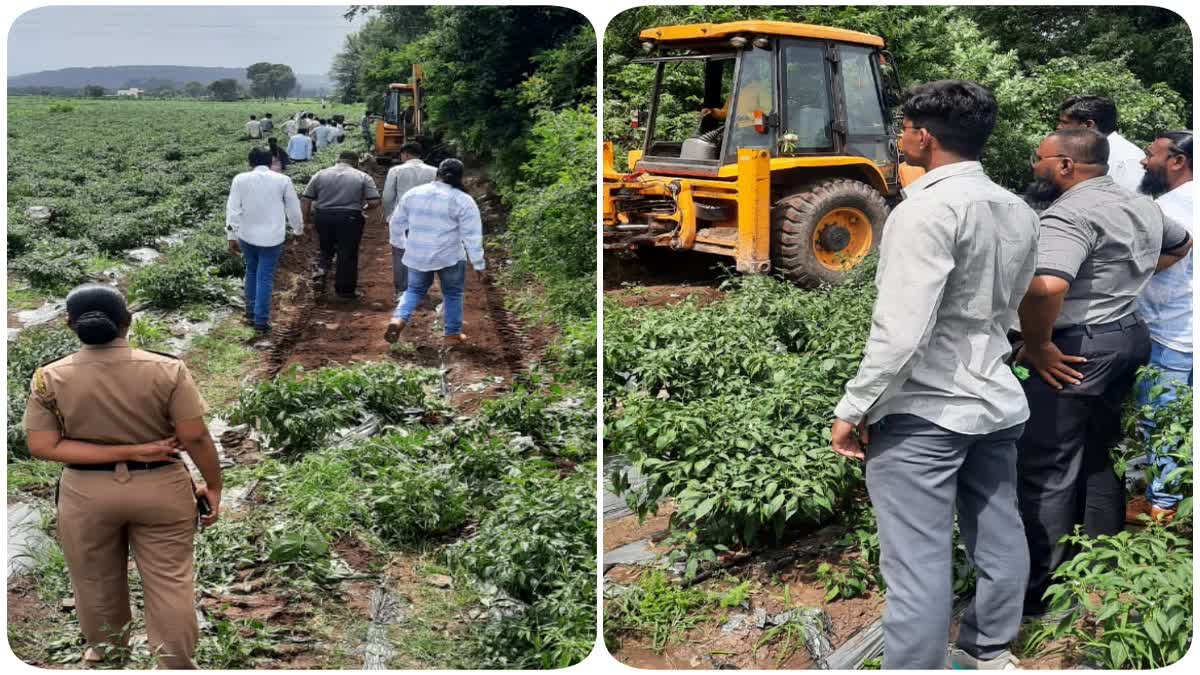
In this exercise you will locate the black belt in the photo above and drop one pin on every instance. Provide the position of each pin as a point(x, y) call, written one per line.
point(1124, 323)
point(112, 466)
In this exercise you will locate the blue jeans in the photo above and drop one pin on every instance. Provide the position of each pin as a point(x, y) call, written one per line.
point(452, 280)
point(1176, 367)
point(261, 262)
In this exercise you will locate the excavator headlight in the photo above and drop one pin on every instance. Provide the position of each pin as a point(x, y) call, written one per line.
point(762, 42)
point(739, 42)
point(647, 46)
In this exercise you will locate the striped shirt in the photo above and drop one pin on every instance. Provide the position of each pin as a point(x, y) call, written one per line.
point(437, 226)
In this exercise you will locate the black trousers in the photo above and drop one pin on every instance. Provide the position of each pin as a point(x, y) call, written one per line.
point(340, 233)
point(1064, 470)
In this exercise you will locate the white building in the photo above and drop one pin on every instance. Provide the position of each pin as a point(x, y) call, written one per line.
point(134, 92)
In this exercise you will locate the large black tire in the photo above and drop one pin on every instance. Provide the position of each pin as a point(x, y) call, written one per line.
point(795, 220)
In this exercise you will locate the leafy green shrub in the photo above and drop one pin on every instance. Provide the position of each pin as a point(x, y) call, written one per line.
point(726, 408)
point(213, 249)
point(557, 422)
point(655, 606)
point(537, 543)
point(120, 233)
point(575, 350)
point(411, 502)
point(61, 108)
point(298, 411)
point(34, 347)
point(173, 282)
point(55, 264)
point(20, 236)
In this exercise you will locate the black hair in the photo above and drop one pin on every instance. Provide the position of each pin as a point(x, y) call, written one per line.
point(252, 117)
point(1181, 144)
point(97, 313)
point(260, 156)
point(267, 115)
point(1085, 146)
point(348, 156)
point(450, 172)
point(272, 141)
point(411, 148)
point(960, 114)
point(1098, 109)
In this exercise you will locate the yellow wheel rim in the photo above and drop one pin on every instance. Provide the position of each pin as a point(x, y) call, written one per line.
point(842, 239)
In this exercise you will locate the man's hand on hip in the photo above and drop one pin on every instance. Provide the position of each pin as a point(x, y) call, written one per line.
point(1051, 364)
point(845, 443)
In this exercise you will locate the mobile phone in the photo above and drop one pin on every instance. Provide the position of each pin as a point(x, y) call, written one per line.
point(202, 505)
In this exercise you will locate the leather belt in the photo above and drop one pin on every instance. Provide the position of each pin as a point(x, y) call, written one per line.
point(112, 466)
point(1123, 323)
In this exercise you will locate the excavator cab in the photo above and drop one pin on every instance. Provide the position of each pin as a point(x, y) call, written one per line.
point(782, 154)
point(403, 117)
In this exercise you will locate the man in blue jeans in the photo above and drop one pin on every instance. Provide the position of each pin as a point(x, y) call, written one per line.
point(262, 203)
point(440, 231)
point(1166, 306)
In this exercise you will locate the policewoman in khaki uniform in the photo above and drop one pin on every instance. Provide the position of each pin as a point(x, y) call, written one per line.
point(117, 417)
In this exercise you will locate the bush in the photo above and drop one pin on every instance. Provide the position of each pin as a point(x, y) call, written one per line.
point(33, 348)
point(174, 282)
point(213, 249)
point(412, 501)
point(55, 264)
point(560, 424)
point(61, 108)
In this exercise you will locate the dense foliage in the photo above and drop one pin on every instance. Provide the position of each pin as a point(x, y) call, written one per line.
point(1029, 76)
point(726, 407)
point(33, 348)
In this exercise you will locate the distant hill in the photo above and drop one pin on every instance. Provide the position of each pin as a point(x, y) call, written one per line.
point(118, 77)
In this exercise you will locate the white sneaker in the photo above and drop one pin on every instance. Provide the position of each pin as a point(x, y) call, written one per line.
point(961, 660)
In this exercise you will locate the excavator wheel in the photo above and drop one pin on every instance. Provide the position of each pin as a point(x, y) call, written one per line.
point(824, 229)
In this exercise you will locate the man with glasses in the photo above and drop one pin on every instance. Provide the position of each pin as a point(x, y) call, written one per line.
point(1098, 245)
point(944, 408)
point(1100, 113)
point(1166, 307)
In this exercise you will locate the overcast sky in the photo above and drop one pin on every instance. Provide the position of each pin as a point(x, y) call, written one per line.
point(305, 38)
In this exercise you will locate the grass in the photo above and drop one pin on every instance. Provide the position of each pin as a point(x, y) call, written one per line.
point(22, 296)
point(97, 264)
point(429, 638)
point(220, 360)
point(33, 476)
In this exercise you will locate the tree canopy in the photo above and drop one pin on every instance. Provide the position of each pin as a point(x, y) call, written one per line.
point(274, 80)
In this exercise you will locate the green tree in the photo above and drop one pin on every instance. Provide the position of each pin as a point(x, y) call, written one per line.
point(195, 89)
point(282, 80)
point(93, 91)
point(224, 90)
point(259, 77)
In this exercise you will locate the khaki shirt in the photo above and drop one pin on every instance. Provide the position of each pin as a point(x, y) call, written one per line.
point(112, 394)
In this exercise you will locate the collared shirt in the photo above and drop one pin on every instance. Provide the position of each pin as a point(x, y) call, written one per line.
point(1166, 302)
point(300, 147)
point(401, 179)
point(290, 127)
point(266, 126)
point(260, 203)
point(253, 129)
point(956, 259)
point(1104, 241)
point(1125, 162)
point(324, 135)
point(440, 226)
point(341, 187)
point(113, 395)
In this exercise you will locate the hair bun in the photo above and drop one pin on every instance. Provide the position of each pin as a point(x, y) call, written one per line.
point(96, 327)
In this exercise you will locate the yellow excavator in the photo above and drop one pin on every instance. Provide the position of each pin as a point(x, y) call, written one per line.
point(403, 117)
point(794, 160)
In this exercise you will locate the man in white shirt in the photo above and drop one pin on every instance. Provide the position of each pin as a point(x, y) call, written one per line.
point(413, 171)
point(290, 127)
point(324, 135)
point(261, 205)
point(253, 128)
point(1166, 306)
point(1100, 113)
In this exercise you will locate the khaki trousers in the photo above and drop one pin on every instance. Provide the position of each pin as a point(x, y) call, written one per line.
point(102, 517)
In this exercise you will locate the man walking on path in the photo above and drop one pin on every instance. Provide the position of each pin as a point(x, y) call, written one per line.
point(944, 407)
point(368, 131)
point(1166, 307)
point(1098, 244)
point(253, 128)
point(1100, 113)
point(340, 193)
point(290, 127)
point(400, 179)
point(267, 125)
point(442, 231)
point(261, 205)
point(300, 147)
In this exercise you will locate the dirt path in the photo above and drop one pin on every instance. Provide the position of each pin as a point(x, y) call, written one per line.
point(319, 331)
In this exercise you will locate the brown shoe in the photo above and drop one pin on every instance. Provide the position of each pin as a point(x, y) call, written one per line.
point(393, 330)
point(1137, 507)
point(454, 340)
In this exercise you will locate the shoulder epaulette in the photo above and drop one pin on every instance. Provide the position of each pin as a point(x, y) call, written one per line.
point(169, 356)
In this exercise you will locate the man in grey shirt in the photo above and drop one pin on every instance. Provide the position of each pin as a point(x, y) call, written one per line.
point(400, 179)
point(1098, 245)
point(944, 408)
point(340, 193)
